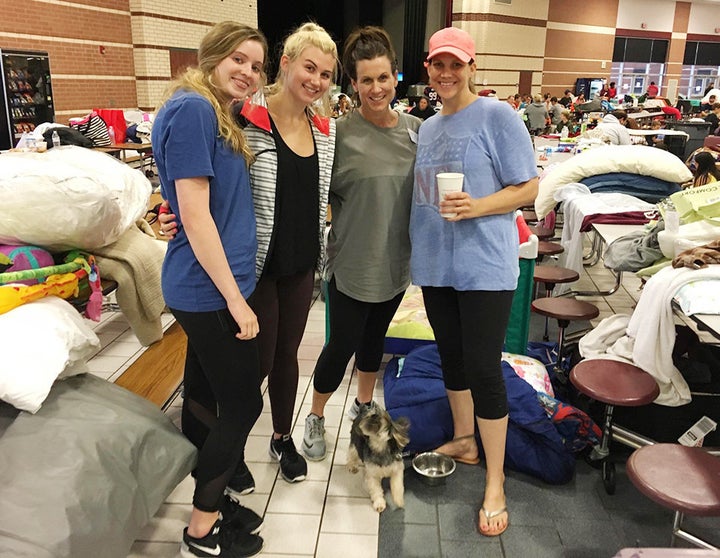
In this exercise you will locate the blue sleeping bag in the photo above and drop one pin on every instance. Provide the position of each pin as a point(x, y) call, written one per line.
point(414, 389)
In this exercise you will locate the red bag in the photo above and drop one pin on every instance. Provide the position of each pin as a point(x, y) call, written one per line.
point(116, 119)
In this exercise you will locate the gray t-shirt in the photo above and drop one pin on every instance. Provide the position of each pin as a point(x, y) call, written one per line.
point(370, 196)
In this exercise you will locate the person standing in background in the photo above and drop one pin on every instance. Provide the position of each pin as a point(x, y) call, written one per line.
point(652, 90)
point(208, 276)
point(368, 269)
point(467, 262)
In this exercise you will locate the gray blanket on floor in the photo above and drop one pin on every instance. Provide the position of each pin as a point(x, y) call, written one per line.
point(82, 476)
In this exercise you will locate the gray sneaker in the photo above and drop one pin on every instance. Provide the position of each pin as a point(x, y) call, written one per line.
point(313, 445)
point(354, 409)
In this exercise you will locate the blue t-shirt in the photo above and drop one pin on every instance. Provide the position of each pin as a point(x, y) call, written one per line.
point(186, 144)
point(489, 143)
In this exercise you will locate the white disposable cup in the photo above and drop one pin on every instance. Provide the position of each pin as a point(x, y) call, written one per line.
point(449, 182)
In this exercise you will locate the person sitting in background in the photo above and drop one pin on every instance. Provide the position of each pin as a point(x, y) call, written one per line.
point(537, 116)
point(342, 106)
point(714, 118)
point(567, 99)
point(565, 123)
point(658, 139)
point(423, 110)
point(613, 128)
point(706, 170)
point(706, 107)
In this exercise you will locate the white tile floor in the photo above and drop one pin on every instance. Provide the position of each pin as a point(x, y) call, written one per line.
point(328, 514)
point(322, 517)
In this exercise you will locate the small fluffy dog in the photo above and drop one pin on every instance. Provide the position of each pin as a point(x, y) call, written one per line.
point(376, 443)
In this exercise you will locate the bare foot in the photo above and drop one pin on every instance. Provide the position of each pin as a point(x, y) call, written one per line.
point(493, 518)
point(463, 449)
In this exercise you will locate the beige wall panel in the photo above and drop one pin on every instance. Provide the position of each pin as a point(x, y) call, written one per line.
point(570, 44)
point(657, 15)
point(573, 66)
point(535, 9)
point(601, 13)
point(676, 51)
point(514, 63)
point(244, 11)
point(704, 19)
point(152, 62)
point(503, 38)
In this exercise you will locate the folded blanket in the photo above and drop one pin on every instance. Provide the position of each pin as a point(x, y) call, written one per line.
point(135, 261)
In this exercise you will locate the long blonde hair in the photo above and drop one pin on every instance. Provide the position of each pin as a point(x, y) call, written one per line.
point(307, 35)
point(219, 43)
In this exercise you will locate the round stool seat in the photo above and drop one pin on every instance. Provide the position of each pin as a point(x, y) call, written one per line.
point(529, 215)
point(551, 275)
point(614, 382)
point(546, 248)
point(541, 233)
point(683, 479)
point(565, 308)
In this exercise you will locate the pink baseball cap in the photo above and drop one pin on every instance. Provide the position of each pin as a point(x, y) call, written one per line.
point(452, 40)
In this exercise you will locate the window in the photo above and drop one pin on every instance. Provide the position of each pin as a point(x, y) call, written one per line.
point(630, 49)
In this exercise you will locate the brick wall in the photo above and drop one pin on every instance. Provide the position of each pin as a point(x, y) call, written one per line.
point(112, 53)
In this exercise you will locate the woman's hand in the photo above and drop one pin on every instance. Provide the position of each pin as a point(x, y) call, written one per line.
point(460, 204)
point(245, 319)
point(168, 221)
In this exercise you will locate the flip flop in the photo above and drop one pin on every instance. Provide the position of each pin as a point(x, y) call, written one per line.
point(489, 516)
point(462, 459)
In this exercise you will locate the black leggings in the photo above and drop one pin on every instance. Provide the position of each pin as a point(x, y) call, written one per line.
point(222, 399)
point(470, 329)
point(282, 305)
point(355, 327)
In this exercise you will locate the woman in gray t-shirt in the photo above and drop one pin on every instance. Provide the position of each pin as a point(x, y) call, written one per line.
point(368, 265)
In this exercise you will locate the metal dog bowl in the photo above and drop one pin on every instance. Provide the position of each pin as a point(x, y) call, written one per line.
point(433, 467)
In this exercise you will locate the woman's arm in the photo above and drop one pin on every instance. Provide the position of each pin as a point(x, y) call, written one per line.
point(508, 199)
point(194, 205)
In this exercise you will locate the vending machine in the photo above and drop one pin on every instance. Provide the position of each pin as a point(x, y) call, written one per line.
point(26, 98)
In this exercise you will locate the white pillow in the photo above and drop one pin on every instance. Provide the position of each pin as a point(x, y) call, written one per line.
point(80, 198)
point(42, 341)
point(636, 159)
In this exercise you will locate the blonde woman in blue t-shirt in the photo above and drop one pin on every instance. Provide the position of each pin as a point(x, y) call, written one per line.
point(467, 262)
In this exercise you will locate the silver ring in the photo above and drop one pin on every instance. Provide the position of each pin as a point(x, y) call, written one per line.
point(162, 232)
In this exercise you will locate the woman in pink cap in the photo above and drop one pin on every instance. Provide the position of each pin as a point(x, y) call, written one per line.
point(467, 264)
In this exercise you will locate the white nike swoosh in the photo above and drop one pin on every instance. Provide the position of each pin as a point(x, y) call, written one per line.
point(212, 551)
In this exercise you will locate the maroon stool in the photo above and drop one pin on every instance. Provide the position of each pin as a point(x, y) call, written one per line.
point(564, 310)
point(547, 248)
point(529, 215)
point(685, 480)
point(549, 276)
point(613, 383)
point(541, 233)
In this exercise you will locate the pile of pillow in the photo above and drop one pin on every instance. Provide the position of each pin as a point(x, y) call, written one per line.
point(632, 159)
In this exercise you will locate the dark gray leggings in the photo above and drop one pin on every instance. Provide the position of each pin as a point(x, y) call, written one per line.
point(470, 329)
point(222, 399)
point(355, 327)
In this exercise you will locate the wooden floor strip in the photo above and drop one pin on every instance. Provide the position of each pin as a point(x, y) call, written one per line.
point(158, 373)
